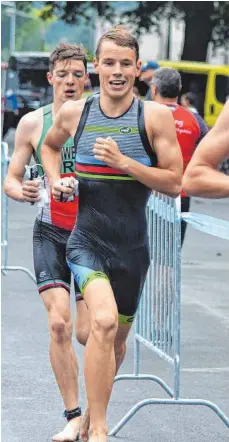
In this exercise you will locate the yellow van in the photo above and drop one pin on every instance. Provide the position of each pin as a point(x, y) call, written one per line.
point(209, 82)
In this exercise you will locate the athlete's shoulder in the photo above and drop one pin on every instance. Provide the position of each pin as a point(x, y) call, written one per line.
point(156, 109)
point(31, 120)
point(157, 116)
point(72, 108)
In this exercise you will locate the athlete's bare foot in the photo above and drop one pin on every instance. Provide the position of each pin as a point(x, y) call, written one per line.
point(99, 438)
point(84, 426)
point(99, 435)
point(70, 432)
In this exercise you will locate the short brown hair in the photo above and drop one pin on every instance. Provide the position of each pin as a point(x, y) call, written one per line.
point(121, 37)
point(65, 51)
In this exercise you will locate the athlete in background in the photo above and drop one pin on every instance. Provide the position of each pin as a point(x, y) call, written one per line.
point(190, 127)
point(53, 225)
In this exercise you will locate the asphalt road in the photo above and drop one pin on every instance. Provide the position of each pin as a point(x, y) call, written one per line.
point(31, 404)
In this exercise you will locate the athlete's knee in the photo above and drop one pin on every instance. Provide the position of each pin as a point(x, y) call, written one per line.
point(60, 330)
point(104, 326)
point(82, 333)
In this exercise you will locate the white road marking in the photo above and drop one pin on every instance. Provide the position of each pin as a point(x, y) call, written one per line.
point(212, 311)
point(207, 370)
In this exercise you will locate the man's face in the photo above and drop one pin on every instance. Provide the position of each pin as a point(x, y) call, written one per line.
point(153, 91)
point(117, 68)
point(68, 79)
point(147, 76)
point(184, 101)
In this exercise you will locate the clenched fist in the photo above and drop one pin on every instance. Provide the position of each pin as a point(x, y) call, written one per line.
point(63, 188)
point(30, 191)
point(107, 150)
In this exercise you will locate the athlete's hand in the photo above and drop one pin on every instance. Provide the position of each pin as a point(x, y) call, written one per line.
point(63, 188)
point(30, 191)
point(107, 150)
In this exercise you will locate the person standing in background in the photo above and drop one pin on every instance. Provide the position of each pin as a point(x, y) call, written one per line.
point(146, 75)
point(188, 100)
point(191, 128)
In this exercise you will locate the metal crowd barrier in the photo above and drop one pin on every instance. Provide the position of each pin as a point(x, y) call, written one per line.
point(5, 159)
point(157, 324)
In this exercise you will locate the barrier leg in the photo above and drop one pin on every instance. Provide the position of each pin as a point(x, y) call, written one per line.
point(145, 377)
point(166, 263)
point(5, 269)
point(5, 159)
point(153, 401)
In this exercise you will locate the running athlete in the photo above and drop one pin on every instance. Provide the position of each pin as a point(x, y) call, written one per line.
point(68, 64)
point(119, 141)
point(202, 177)
point(191, 128)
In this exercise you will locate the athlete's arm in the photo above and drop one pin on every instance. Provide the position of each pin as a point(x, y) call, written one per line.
point(167, 178)
point(23, 150)
point(201, 177)
point(56, 136)
point(64, 126)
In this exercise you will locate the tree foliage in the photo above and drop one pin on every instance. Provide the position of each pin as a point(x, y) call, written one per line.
point(35, 27)
point(220, 21)
point(145, 16)
point(204, 21)
point(71, 12)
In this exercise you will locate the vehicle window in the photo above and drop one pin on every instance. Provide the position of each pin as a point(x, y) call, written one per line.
point(94, 81)
point(12, 81)
point(29, 62)
point(195, 83)
point(142, 87)
point(32, 78)
point(222, 88)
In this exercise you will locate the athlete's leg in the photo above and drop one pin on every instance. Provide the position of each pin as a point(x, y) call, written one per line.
point(99, 354)
point(82, 328)
point(127, 279)
point(62, 356)
point(120, 344)
point(120, 351)
point(90, 269)
point(82, 322)
point(53, 280)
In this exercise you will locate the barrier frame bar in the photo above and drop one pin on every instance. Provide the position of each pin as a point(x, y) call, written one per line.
point(171, 214)
point(5, 268)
